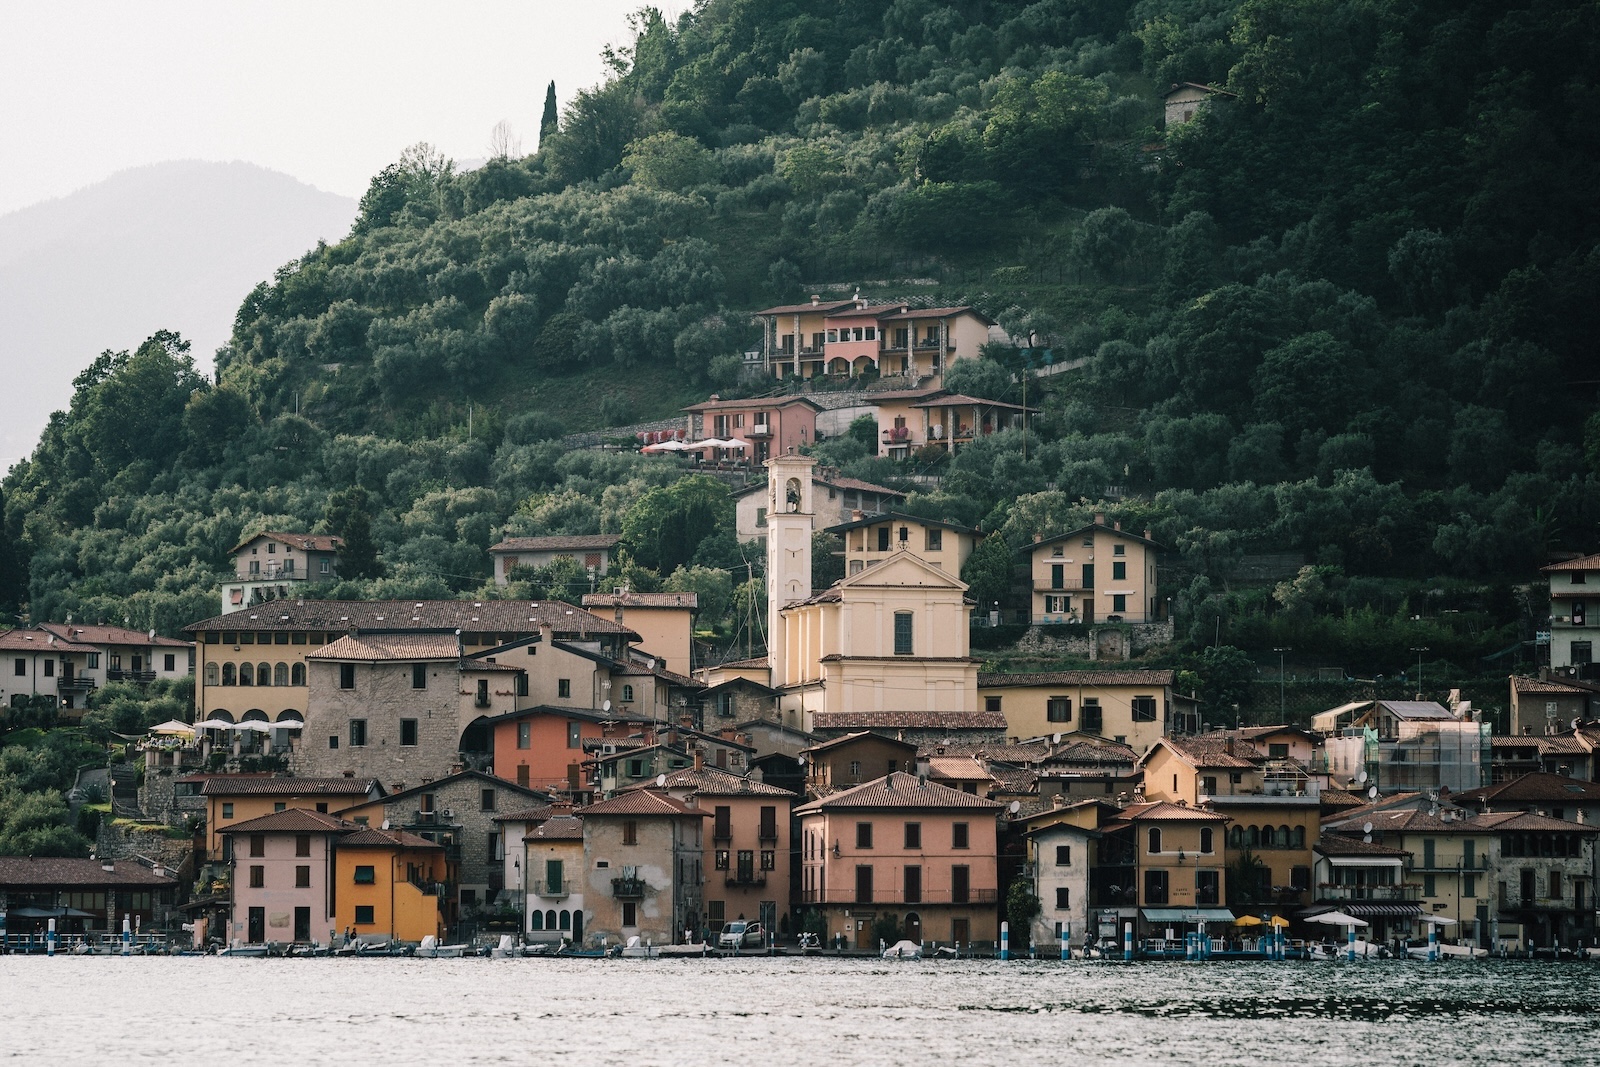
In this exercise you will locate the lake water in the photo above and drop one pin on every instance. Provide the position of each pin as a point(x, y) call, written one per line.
point(793, 1011)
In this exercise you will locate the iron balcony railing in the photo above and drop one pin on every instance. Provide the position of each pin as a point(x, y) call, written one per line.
point(553, 889)
point(848, 895)
point(1405, 892)
point(628, 887)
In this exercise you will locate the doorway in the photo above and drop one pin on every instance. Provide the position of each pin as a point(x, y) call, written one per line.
point(258, 925)
point(961, 931)
point(914, 927)
point(302, 924)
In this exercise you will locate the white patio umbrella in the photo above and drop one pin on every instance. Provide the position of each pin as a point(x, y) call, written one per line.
point(253, 727)
point(172, 726)
point(214, 724)
point(709, 442)
point(666, 446)
point(1437, 920)
point(734, 442)
point(1336, 918)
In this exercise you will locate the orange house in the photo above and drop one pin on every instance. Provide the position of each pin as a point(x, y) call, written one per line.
point(542, 747)
point(388, 882)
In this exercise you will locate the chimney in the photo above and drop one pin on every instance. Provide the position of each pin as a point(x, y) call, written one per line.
point(699, 759)
point(1037, 537)
point(1147, 536)
point(1117, 525)
point(1229, 745)
point(561, 807)
point(1058, 801)
point(1099, 518)
point(856, 515)
point(815, 299)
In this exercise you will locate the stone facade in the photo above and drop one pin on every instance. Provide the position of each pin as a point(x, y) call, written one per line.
point(644, 867)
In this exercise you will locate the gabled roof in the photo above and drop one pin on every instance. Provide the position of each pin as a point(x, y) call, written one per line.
point(109, 635)
point(1523, 821)
point(734, 683)
point(881, 517)
point(390, 616)
point(559, 543)
point(962, 400)
point(385, 648)
point(908, 720)
point(28, 640)
point(1537, 787)
point(1345, 845)
point(371, 837)
point(1404, 821)
point(852, 738)
point(1582, 563)
point(798, 309)
point(24, 872)
point(557, 828)
point(594, 715)
point(303, 541)
point(755, 403)
point(716, 782)
point(1542, 685)
point(242, 785)
point(648, 802)
point(1209, 751)
point(935, 313)
point(289, 821)
point(642, 600)
point(1178, 86)
point(466, 775)
point(900, 790)
point(1087, 679)
point(958, 769)
point(1165, 811)
point(1099, 527)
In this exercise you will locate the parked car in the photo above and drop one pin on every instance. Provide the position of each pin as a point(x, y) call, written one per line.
point(742, 934)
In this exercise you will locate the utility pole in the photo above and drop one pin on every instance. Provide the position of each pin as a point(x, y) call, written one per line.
point(1419, 652)
point(1280, 652)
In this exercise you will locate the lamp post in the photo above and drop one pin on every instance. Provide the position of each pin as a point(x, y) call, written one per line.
point(1419, 652)
point(1280, 652)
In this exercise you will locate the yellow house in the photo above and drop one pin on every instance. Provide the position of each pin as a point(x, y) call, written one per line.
point(235, 798)
point(871, 539)
point(1129, 707)
point(892, 637)
point(1274, 807)
point(1163, 863)
point(388, 882)
point(663, 621)
point(848, 338)
point(1095, 573)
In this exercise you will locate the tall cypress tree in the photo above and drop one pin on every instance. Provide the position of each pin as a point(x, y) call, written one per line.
point(548, 123)
point(347, 516)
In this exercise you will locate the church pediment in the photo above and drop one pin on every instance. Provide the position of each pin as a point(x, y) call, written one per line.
point(901, 569)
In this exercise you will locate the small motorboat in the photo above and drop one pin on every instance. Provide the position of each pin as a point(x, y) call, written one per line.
point(248, 951)
point(903, 950)
point(430, 949)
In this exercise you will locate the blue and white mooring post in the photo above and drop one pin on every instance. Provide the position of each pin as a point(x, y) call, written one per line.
point(50, 939)
point(127, 937)
point(1005, 941)
point(1127, 942)
point(1066, 934)
point(1350, 949)
point(1433, 942)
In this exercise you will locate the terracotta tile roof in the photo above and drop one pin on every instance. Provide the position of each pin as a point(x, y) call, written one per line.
point(239, 785)
point(289, 821)
point(897, 516)
point(557, 828)
point(1093, 526)
point(832, 478)
point(935, 313)
point(466, 776)
point(736, 664)
point(303, 541)
point(642, 600)
point(1515, 821)
point(798, 309)
point(39, 641)
point(641, 802)
point(1341, 798)
point(716, 782)
point(1030, 751)
point(839, 742)
point(383, 648)
point(1583, 563)
point(908, 720)
point(1212, 750)
point(1540, 685)
point(1404, 821)
point(962, 400)
point(1085, 750)
point(900, 790)
point(1165, 811)
point(1077, 678)
point(1345, 845)
point(110, 635)
point(502, 616)
point(957, 768)
point(558, 543)
point(372, 837)
point(24, 872)
point(1538, 786)
point(756, 403)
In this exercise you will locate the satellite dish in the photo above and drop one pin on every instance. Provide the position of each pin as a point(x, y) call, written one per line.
point(605, 705)
point(1367, 838)
point(1362, 777)
point(1576, 723)
point(1372, 792)
point(1366, 828)
point(1055, 739)
point(661, 779)
point(386, 824)
point(1016, 806)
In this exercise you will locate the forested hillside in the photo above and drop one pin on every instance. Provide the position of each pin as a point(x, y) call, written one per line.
point(1347, 312)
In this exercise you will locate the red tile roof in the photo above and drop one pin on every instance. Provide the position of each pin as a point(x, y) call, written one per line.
point(1540, 685)
point(1164, 811)
point(935, 313)
point(26, 872)
point(110, 635)
point(39, 641)
point(383, 648)
point(306, 542)
point(754, 403)
point(1345, 845)
point(239, 785)
point(493, 616)
point(559, 543)
point(642, 600)
point(1538, 786)
point(557, 828)
point(908, 720)
point(372, 837)
point(962, 400)
point(715, 782)
point(797, 309)
point(900, 790)
point(1583, 563)
point(642, 802)
point(290, 821)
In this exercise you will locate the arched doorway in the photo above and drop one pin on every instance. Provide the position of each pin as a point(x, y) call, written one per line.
point(477, 745)
point(577, 926)
point(913, 927)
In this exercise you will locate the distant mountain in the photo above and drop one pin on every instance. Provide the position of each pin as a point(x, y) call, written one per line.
point(168, 246)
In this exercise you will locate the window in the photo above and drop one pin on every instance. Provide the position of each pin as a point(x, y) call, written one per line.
point(419, 676)
point(227, 810)
point(721, 860)
point(213, 674)
point(230, 674)
point(366, 875)
point(358, 733)
point(855, 768)
point(49, 668)
point(524, 735)
point(1063, 898)
point(170, 663)
point(258, 876)
point(280, 806)
point(1555, 885)
point(302, 876)
point(1092, 721)
point(347, 676)
point(1208, 785)
point(630, 913)
point(630, 833)
point(958, 835)
point(991, 703)
point(1207, 840)
point(1153, 840)
point(960, 884)
point(20, 667)
point(864, 884)
point(302, 844)
point(333, 741)
point(1581, 653)
point(486, 800)
point(564, 688)
point(935, 540)
point(902, 633)
point(769, 860)
point(574, 735)
point(1155, 887)
point(258, 845)
point(913, 835)
point(1429, 886)
point(627, 694)
point(1119, 602)
point(863, 835)
point(1144, 709)
point(364, 915)
point(1063, 855)
point(883, 536)
point(408, 733)
point(492, 847)
point(1469, 885)
point(280, 673)
point(1207, 888)
point(297, 674)
point(1119, 570)
point(1058, 709)
point(1119, 550)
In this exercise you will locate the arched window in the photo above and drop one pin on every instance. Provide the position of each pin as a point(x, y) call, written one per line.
point(263, 674)
point(254, 715)
point(213, 674)
point(550, 919)
point(1236, 837)
point(247, 674)
point(1283, 837)
point(536, 920)
point(1205, 839)
point(566, 920)
point(627, 694)
point(280, 674)
point(297, 674)
point(1252, 837)
point(229, 675)
point(222, 714)
point(1297, 837)
point(1155, 840)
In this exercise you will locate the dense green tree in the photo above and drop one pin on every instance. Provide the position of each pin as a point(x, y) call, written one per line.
point(989, 572)
point(347, 516)
point(666, 525)
point(549, 122)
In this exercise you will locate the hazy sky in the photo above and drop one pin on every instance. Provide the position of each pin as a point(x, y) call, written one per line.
point(327, 91)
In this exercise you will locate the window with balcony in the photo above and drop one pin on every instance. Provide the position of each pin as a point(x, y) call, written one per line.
point(769, 823)
point(722, 825)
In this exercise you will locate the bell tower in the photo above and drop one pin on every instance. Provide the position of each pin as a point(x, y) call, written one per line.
point(789, 524)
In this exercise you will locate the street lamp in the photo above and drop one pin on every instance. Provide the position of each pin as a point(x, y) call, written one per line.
point(1419, 652)
point(1280, 652)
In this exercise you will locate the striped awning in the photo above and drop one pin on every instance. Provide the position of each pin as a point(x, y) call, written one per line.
point(1384, 911)
point(1187, 915)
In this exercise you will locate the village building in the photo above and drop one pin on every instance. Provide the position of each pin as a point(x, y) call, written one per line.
point(1185, 100)
point(68, 662)
point(674, 749)
point(1097, 573)
point(852, 338)
point(283, 877)
point(899, 849)
point(1060, 844)
point(761, 427)
point(1405, 745)
point(231, 799)
point(391, 884)
point(1571, 643)
point(1126, 707)
point(545, 748)
point(544, 847)
point(1545, 707)
point(741, 700)
point(279, 566)
point(595, 553)
point(837, 496)
point(855, 759)
point(873, 539)
point(1368, 881)
point(642, 873)
point(663, 621)
point(83, 896)
point(1160, 865)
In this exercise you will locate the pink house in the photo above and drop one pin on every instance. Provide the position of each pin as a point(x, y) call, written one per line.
point(768, 426)
point(283, 877)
